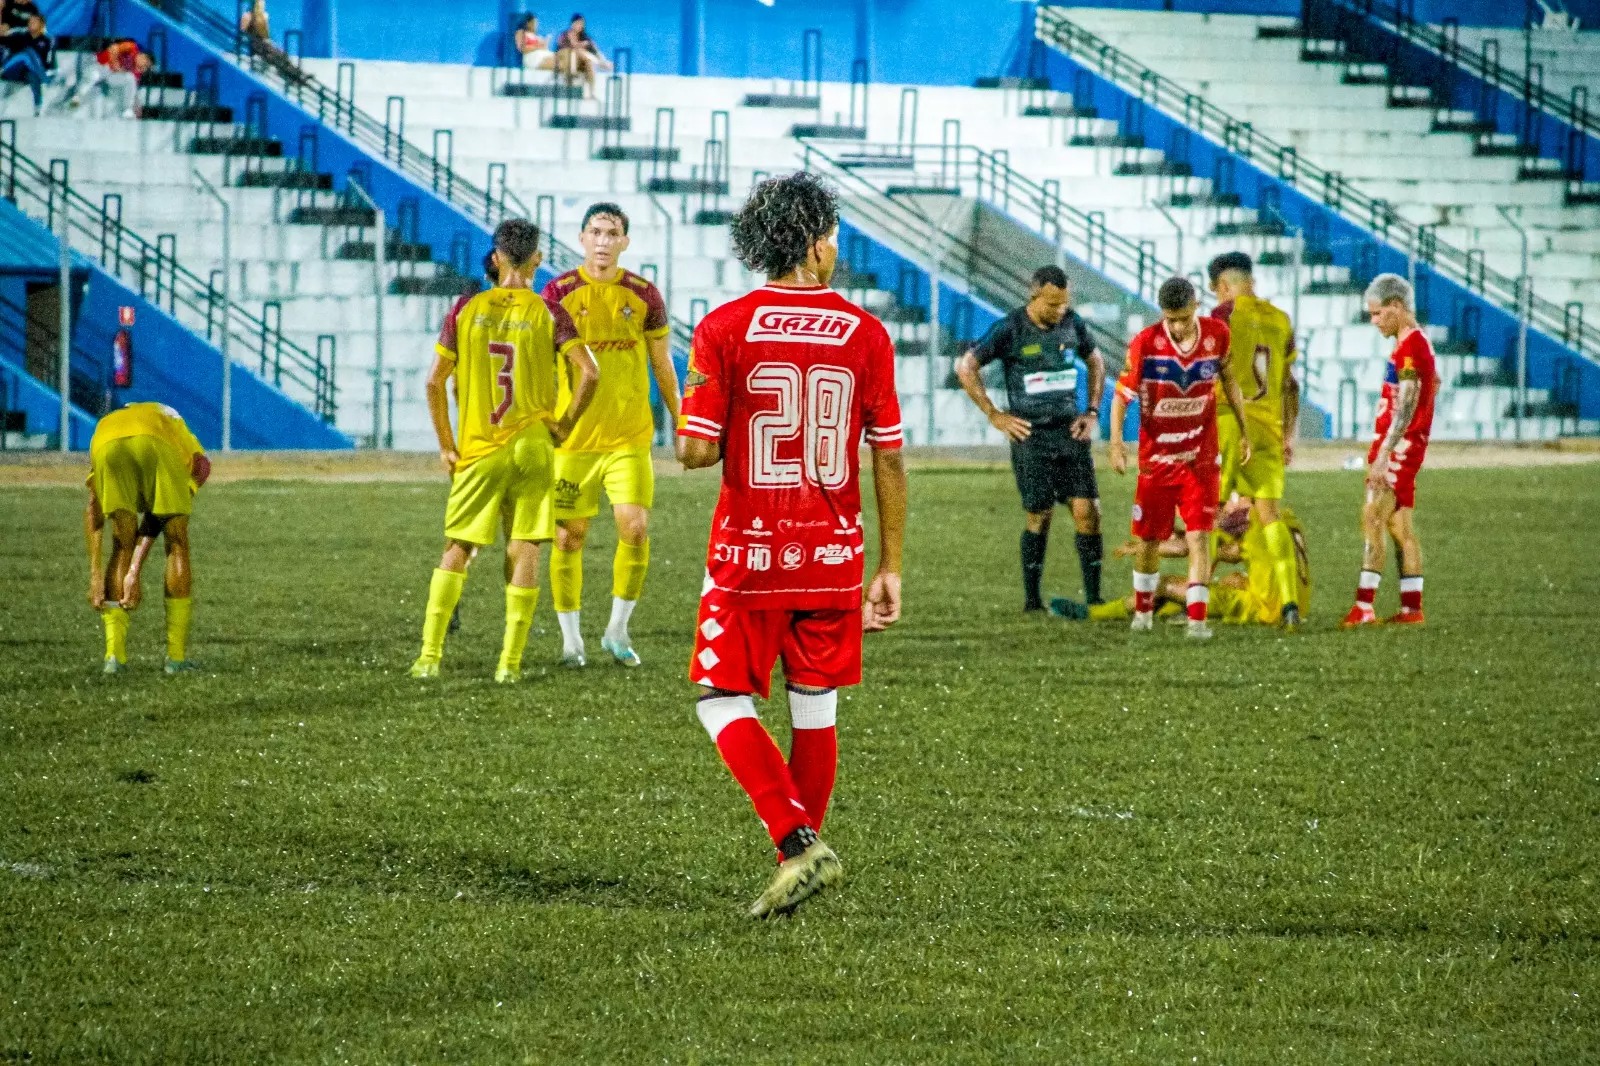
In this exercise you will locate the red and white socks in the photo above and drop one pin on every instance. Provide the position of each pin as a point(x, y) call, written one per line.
point(1198, 601)
point(814, 754)
point(1144, 594)
point(1411, 595)
point(1367, 594)
point(756, 763)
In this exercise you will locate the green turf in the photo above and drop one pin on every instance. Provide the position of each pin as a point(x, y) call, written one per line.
point(1062, 843)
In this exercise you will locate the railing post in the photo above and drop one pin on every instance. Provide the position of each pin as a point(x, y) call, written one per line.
point(380, 279)
point(227, 276)
point(64, 325)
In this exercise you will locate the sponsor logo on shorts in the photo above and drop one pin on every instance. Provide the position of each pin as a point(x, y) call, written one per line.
point(833, 554)
point(1179, 438)
point(566, 492)
point(793, 556)
point(1177, 457)
point(1176, 407)
point(801, 325)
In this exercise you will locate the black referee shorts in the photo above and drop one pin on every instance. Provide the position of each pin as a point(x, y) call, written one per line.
point(1053, 468)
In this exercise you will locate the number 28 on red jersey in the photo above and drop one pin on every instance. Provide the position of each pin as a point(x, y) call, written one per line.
point(790, 381)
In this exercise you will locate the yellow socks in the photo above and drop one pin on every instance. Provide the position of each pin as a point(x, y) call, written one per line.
point(444, 591)
point(1280, 548)
point(566, 580)
point(520, 603)
point(116, 623)
point(1110, 611)
point(628, 569)
point(178, 629)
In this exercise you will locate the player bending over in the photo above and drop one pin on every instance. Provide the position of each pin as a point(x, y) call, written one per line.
point(1248, 598)
point(1400, 441)
point(783, 385)
point(623, 320)
point(1260, 355)
point(1172, 371)
point(501, 347)
point(143, 459)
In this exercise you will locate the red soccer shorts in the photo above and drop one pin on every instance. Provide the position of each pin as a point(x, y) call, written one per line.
point(735, 649)
point(1404, 464)
point(1188, 490)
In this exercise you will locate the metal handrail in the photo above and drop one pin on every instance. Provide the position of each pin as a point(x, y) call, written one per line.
point(129, 256)
point(1327, 187)
point(1447, 44)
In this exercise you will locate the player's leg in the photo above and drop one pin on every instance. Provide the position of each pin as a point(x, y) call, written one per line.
point(472, 516)
point(528, 518)
point(522, 600)
point(124, 528)
point(1198, 505)
point(178, 584)
point(1029, 467)
point(1154, 507)
point(1080, 491)
point(1263, 479)
point(1402, 528)
point(576, 500)
point(1375, 513)
point(629, 481)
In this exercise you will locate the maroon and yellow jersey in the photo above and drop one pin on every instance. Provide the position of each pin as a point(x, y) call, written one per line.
point(1177, 394)
point(506, 345)
point(1412, 360)
point(617, 320)
point(789, 382)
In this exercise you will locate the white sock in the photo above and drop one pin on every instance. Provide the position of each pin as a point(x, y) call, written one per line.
point(571, 635)
point(621, 611)
point(814, 710)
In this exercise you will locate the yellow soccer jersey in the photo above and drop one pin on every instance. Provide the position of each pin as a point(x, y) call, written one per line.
point(616, 319)
point(506, 345)
point(148, 420)
point(1258, 565)
point(1260, 353)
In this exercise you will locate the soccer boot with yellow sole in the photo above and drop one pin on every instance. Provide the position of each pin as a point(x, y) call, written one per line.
point(1197, 629)
point(1404, 618)
point(621, 650)
point(1359, 616)
point(425, 669)
point(112, 665)
point(797, 880)
point(1143, 622)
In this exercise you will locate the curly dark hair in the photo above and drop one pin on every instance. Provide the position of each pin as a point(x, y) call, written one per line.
point(1176, 294)
point(780, 222)
point(516, 239)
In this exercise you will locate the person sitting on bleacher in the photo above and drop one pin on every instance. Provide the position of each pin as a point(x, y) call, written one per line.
point(27, 56)
point(577, 56)
point(14, 15)
point(535, 50)
point(118, 68)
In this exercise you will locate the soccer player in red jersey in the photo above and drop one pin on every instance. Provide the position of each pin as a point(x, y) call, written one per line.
point(1400, 441)
point(783, 385)
point(1172, 371)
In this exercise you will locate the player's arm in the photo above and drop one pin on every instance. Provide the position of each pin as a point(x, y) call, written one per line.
point(1084, 425)
point(1119, 415)
point(150, 527)
point(968, 373)
point(882, 608)
point(1291, 402)
point(584, 383)
point(437, 391)
point(666, 375)
point(1171, 548)
point(1407, 394)
point(1230, 389)
point(94, 522)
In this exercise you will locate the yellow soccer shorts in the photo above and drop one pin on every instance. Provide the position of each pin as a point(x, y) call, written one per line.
point(141, 475)
point(1233, 606)
point(1262, 477)
point(510, 486)
point(628, 476)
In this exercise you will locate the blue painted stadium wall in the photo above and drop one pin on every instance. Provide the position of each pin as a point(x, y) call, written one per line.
point(741, 38)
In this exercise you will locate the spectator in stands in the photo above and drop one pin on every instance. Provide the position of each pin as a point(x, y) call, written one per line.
point(534, 49)
point(577, 56)
point(27, 56)
point(255, 30)
point(14, 15)
point(118, 68)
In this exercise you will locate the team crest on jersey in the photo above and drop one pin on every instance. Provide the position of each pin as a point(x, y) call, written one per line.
point(1211, 344)
point(802, 325)
point(627, 310)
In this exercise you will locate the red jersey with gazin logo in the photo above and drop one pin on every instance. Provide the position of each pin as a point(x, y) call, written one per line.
point(790, 381)
point(1177, 393)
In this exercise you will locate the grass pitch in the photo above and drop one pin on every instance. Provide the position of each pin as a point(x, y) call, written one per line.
point(1061, 843)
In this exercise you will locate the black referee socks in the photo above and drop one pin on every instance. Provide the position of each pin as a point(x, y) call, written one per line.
point(1091, 553)
point(1033, 545)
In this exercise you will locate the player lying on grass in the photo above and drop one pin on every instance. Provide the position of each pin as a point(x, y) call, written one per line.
point(1260, 356)
point(143, 460)
point(1399, 444)
point(1172, 371)
point(784, 385)
point(623, 319)
point(1250, 597)
point(501, 348)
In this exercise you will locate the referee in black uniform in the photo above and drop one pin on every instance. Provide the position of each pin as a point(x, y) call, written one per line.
point(1050, 431)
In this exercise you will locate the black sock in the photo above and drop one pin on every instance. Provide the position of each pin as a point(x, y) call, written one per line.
point(1091, 552)
point(1033, 545)
point(798, 841)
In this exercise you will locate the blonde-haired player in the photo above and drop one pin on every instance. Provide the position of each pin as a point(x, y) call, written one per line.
point(1260, 355)
point(143, 460)
point(502, 347)
point(623, 319)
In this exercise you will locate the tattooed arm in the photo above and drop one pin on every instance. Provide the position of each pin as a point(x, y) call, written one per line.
point(1406, 396)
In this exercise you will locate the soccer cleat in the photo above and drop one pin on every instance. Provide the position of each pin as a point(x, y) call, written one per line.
point(174, 667)
point(576, 660)
point(622, 651)
point(503, 676)
point(1359, 616)
point(1143, 622)
point(425, 669)
point(797, 880)
point(1197, 630)
point(1290, 620)
point(112, 665)
point(1071, 610)
point(1404, 618)
point(454, 625)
